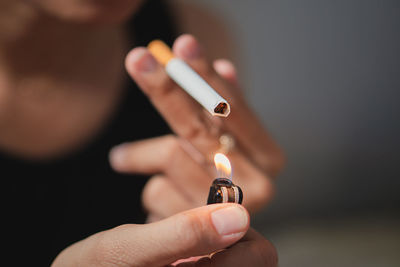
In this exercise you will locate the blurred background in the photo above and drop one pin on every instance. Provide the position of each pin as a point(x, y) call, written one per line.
point(324, 76)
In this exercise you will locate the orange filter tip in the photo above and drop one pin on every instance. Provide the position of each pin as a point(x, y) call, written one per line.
point(160, 51)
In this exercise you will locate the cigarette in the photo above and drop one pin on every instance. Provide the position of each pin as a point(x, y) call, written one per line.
point(189, 80)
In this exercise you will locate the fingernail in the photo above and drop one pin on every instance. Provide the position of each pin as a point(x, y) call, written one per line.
point(118, 156)
point(192, 49)
point(230, 220)
point(144, 61)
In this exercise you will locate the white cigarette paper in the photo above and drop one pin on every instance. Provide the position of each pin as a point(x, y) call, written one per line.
point(196, 87)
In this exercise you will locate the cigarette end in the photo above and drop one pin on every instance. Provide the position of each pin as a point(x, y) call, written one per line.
point(160, 51)
point(222, 109)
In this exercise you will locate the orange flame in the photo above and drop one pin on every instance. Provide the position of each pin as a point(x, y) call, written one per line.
point(223, 166)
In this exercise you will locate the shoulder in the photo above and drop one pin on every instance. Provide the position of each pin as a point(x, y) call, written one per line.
point(207, 26)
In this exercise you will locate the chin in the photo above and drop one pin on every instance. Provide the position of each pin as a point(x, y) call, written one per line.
point(90, 11)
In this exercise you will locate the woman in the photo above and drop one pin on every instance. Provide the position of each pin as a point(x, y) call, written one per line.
point(65, 102)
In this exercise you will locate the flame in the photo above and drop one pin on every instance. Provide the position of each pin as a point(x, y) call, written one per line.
point(223, 166)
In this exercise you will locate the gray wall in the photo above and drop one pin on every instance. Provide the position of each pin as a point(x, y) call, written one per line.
point(325, 78)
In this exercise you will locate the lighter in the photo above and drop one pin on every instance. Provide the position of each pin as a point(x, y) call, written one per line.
point(222, 189)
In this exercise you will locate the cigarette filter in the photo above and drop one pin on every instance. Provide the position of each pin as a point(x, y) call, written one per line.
point(189, 80)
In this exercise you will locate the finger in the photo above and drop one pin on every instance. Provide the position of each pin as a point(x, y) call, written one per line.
point(226, 70)
point(252, 250)
point(162, 199)
point(195, 232)
point(253, 235)
point(242, 123)
point(188, 48)
point(255, 142)
point(242, 254)
point(145, 156)
point(164, 155)
point(250, 253)
point(153, 218)
point(260, 188)
point(183, 114)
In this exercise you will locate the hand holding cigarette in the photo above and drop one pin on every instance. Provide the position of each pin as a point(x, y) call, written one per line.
point(182, 164)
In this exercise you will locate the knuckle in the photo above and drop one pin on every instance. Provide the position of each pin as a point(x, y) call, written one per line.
point(207, 71)
point(272, 159)
point(108, 250)
point(100, 250)
point(267, 190)
point(167, 86)
point(190, 231)
point(151, 190)
point(268, 253)
point(263, 190)
point(196, 130)
point(173, 146)
point(161, 87)
point(279, 160)
point(102, 255)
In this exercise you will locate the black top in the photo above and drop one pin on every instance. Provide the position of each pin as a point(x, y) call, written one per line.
point(50, 205)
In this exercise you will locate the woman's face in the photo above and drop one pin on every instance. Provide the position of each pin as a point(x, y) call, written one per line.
point(88, 11)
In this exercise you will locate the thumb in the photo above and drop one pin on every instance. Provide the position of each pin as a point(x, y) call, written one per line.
point(191, 233)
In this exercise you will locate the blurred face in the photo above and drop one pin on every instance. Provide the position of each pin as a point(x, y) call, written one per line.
point(88, 11)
